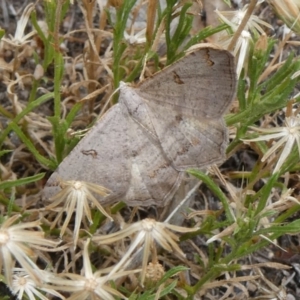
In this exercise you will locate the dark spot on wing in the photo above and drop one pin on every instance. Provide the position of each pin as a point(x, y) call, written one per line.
point(176, 78)
point(208, 60)
point(91, 152)
point(178, 118)
point(183, 150)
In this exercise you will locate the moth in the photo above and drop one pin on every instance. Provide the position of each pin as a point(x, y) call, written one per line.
point(172, 121)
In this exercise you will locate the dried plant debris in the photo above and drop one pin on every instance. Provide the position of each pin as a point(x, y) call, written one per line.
point(234, 229)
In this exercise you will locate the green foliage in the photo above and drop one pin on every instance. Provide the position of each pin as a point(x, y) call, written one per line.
point(243, 232)
point(55, 12)
point(122, 15)
point(30, 107)
point(168, 283)
point(13, 183)
point(177, 39)
point(174, 41)
point(262, 98)
point(2, 33)
point(215, 189)
point(228, 2)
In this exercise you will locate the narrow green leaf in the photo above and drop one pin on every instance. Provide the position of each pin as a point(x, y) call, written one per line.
point(205, 33)
point(8, 203)
point(22, 181)
point(290, 228)
point(3, 152)
point(215, 189)
point(264, 193)
point(171, 273)
point(2, 33)
point(40, 158)
point(30, 107)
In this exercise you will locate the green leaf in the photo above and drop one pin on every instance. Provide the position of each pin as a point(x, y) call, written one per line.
point(3, 152)
point(215, 189)
point(40, 158)
point(205, 33)
point(59, 130)
point(30, 107)
point(228, 2)
point(181, 33)
point(171, 273)
point(278, 230)
point(118, 45)
point(9, 204)
point(2, 33)
point(22, 181)
point(264, 193)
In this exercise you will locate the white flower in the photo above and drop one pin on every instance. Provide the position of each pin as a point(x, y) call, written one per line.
point(22, 284)
point(76, 197)
point(147, 231)
point(234, 19)
point(89, 285)
point(20, 39)
point(288, 136)
point(18, 241)
point(135, 38)
point(242, 47)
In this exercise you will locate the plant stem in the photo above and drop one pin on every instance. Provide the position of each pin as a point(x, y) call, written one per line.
point(242, 25)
